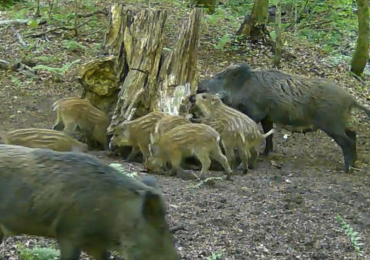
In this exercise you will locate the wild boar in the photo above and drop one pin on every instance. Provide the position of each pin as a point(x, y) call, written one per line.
point(199, 140)
point(167, 123)
point(136, 133)
point(75, 112)
point(162, 126)
point(43, 138)
point(272, 96)
point(237, 130)
point(83, 204)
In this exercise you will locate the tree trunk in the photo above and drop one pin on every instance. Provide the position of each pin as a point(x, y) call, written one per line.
point(139, 76)
point(361, 55)
point(210, 4)
point(254, 25)
point(279, 44)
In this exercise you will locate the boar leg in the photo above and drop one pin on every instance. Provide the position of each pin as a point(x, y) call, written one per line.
point(253, 158)
point(145, 151)
point(222, 159)
point(244, 156)
point(230, 155)
point(68, 251)
point(101, 137)
point(177, 170)
point(58, 126)
point(348, 146)
point(206, 163)
point(267, 125)
point(351, 133)
point(134, 152)
point(97, 253)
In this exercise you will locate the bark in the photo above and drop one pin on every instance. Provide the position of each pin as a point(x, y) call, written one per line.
point(99, 80)
point(138, 76)
point(210, 4)
point(278, 44)
point(254, 25)
point(361, 55)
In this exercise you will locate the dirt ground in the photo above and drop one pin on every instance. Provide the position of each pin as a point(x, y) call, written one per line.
point(284, 209)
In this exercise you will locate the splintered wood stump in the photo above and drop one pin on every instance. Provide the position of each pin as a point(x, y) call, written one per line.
point(100, 82)
point(138, 77)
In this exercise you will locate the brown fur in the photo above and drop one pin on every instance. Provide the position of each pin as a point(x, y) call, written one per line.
point(167, 123)
point(237, 130)
point(186, 140)
point(136, 133)
point(83, 203)
point(43, 138)
point(73, 112)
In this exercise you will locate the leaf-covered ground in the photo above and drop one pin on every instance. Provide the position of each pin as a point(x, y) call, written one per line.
point(284, 209)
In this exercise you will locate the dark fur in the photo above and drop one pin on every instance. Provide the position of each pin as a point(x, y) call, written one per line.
point(271, 96)
point(83, 203)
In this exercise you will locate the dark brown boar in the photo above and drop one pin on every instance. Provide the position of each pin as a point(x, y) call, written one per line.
point(83, 204)
point(199, 140)
point(272, 96)
point(237, 130)
point(136, 133)
point(73, 112)
point(43, 138)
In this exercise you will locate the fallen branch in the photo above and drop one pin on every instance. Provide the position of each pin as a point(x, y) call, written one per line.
point(6, 65)
point(67, 28)
point(17, 21)
point(314, 25)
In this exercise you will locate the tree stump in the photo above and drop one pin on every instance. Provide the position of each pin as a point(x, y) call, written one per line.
point(100, 82)
point(138, 76)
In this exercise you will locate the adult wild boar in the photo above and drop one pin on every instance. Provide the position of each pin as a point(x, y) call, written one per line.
point(83, 203)
point(290, 101)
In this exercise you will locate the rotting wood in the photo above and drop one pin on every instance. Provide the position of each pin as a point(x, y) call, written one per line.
point(136, 40)
point(138, 76)
point(98, 78)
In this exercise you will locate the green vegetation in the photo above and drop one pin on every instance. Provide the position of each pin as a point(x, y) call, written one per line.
point(353, 236)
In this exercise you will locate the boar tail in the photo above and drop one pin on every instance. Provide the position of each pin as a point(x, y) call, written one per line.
point(366, 110)
point(269, 133)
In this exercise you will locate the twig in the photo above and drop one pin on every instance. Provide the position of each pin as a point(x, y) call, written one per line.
point(19, 37)
point(104, 11)
point(298, 19)
point(56, 29)
point(174, 229)
point(316, 24)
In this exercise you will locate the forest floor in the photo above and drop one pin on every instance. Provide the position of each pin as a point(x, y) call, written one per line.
point(284, 209)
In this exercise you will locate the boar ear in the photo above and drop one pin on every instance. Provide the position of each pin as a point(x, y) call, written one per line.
point(153, 208)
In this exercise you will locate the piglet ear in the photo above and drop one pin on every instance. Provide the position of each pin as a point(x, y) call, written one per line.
point(153, 208)
point(151, 136)
point(215, 99)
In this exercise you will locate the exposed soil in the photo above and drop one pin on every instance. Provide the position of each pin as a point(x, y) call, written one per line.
point(286, 208)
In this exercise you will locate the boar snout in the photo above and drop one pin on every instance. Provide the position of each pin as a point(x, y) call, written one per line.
point(192, 98)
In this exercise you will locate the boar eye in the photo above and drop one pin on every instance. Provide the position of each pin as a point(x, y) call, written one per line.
point(204, 96)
